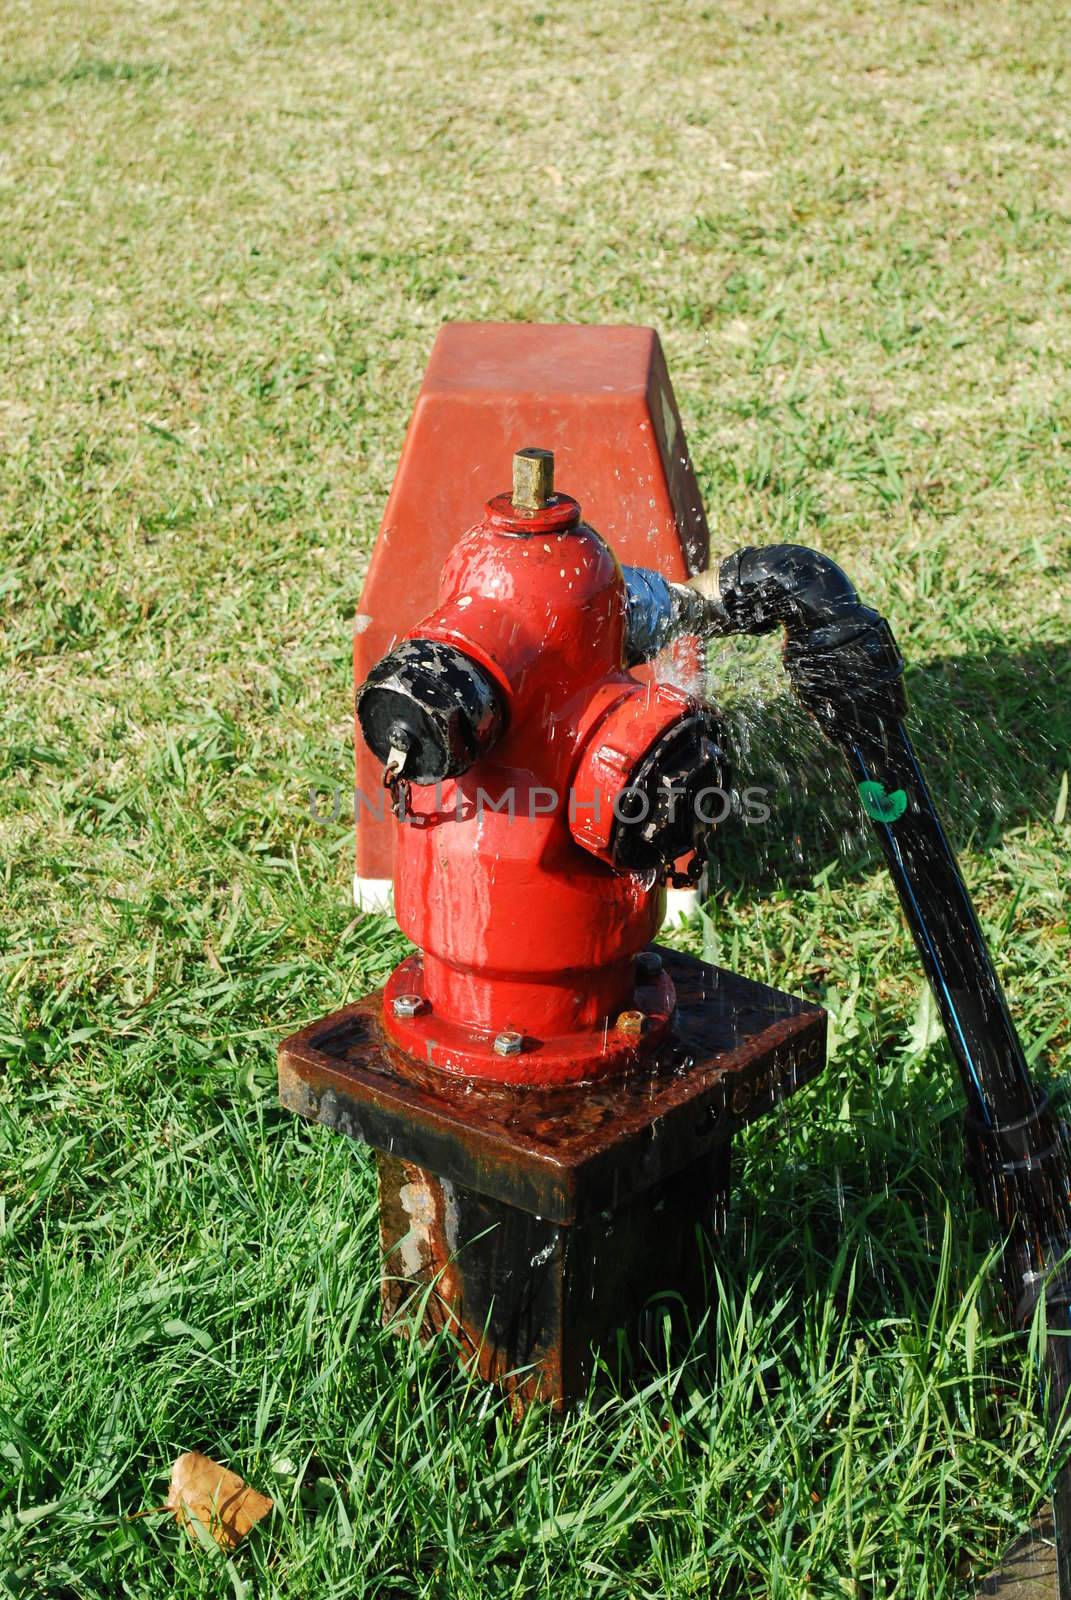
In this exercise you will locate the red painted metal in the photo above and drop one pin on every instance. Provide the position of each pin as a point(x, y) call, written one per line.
point(601, 399)
point(633, 723)
point(549, 1058)
point(502, 876)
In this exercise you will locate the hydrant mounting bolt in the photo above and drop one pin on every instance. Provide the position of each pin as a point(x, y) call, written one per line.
point(509, 1043)
point(407, 1005)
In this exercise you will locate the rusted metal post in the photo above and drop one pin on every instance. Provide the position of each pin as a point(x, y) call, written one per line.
point(536, 1223)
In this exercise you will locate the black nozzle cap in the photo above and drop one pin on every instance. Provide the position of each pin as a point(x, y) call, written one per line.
point(663, 812)
point(433, 704)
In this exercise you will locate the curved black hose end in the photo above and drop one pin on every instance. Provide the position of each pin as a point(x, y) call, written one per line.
point(841, 657)
point(762, 586)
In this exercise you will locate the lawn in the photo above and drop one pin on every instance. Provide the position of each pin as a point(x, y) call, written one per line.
point(228, 234)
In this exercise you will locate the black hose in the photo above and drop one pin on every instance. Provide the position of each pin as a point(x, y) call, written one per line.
point(846, 669)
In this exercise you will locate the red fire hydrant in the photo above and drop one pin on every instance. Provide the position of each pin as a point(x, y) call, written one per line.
point(544, 791)
point(551, 1097)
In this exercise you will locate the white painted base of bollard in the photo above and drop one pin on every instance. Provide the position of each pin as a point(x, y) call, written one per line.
point(377, 895)
point(680, 905)
point(374, 894)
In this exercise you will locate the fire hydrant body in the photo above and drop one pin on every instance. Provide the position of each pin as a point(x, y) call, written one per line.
point(551, 1098)
point(531, 880)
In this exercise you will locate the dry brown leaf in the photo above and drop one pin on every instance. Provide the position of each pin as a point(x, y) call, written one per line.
point(218, 1499)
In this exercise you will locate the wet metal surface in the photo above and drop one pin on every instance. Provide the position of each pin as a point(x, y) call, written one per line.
point(529, 1301)
point(565, 1152)
point(536, 1224)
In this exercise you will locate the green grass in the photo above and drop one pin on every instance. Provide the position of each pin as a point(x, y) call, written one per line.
point(227, 237)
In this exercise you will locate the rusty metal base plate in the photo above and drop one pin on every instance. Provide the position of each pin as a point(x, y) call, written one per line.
point(535, 1224)
point(738, 1047)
